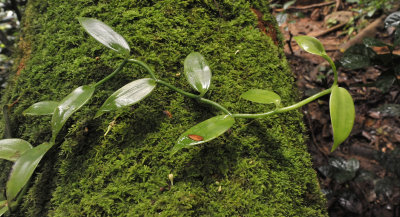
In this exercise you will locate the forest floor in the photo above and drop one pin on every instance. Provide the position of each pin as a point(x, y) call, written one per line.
point(362, 177)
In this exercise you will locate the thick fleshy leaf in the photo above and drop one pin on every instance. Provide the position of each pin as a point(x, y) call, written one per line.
point(128, 95)
point(342, 113)
point(197, 72)
point(204, 132)
point(262, 96)
point(70, 104)
point(42, 108)
point(393, 19)
point(3, 207)
point(105, 35)
point(310, 44)
point(373, 42)
point(12, 149)
point(23, 168)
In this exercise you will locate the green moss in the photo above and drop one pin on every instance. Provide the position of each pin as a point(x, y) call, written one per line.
point(260, 168)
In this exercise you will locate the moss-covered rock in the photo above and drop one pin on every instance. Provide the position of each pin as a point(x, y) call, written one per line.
point(258, 168)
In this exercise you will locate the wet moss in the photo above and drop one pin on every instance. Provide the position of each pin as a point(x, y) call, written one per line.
point(259, 168)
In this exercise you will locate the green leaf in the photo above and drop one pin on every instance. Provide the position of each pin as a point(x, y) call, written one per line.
point(128, 95)
point(23, 168)
point(197, 72)
point(288, 4)
point(70, 104)
point(373, 42)
point(311, 45)
point(262, 96)
point(355, 61)
point(204, 132)
point(12, 149)
point(105, 35)
point(342, 113)
point(3, 207)
point(41, 108)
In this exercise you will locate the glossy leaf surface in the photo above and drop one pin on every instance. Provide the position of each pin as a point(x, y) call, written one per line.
point(310, 44)
point(70, 104)
point(342, 113)
point(358, 56)
point(197, 72)
point(105, 35)
point(262, 96)
point(204, 132)
point(3, 207)
point(373, 42)
point(41, 108)
point(128, 95)
point(23, 168)
point(12, 149)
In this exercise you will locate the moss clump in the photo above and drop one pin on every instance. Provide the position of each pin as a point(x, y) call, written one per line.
point(260, 168)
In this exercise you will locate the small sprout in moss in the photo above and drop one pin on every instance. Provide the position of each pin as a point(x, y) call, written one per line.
point(171, 178)
point(110, 126)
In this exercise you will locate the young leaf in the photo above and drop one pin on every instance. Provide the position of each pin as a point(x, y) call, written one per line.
point(70, 104)
point(12, 149)
point(197, 72)
point(204, 132)
point(41, 108)
point(23, 169)
point(128, 95)
point(262, 96)
point(311, 45)
point(105, 35)
point(342, 113)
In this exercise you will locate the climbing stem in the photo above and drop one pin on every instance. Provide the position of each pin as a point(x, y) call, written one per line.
point(144, 65)
point(112, 74)
point(285, 109)
point(327, 58)
point(193, 96)
point(214, 104)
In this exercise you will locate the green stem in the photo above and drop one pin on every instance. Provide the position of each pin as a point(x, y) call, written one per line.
point(333, 68)
point(193, 96)
point(144, 65)
point(214, 104)
point(112, 74)
point(285, 109)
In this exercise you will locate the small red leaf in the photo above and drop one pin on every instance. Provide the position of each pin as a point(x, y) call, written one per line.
point(195, 137)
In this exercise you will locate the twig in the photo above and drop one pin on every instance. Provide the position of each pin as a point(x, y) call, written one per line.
point(369, 31)
point(289, 43)
point(321, 33)
point(307, 6)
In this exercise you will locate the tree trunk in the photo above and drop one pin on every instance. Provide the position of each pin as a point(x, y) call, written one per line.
point(258, 168)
